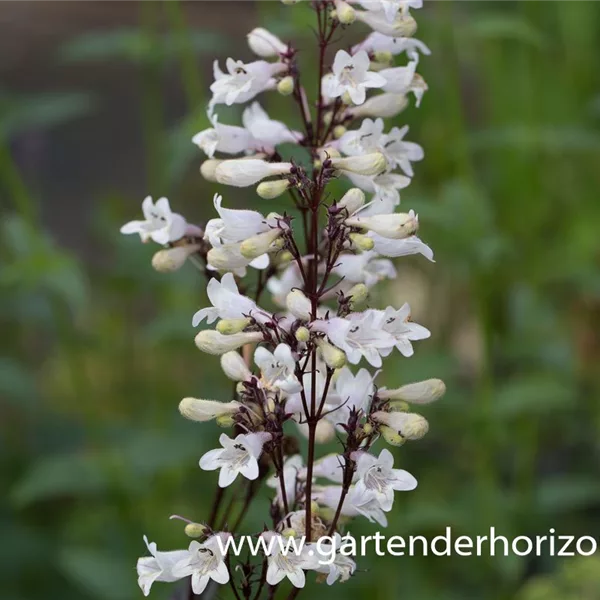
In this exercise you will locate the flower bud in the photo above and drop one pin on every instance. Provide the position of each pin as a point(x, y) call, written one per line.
point(299, 305)
point(235, 367)
point(334, 357)
point(172, 259)
point(344, 12)
point(199, 410)
point(338, 131)
point(258, 244)
point(226, 258)
point(225, 421)
point(409, 425)
point(382, 105)
point(357, 294)
point(302, 334)
point(391, 436)
point(285, 86)
point(421, 392)
point(229, 326)
point(240, 388)
point(209, 167)
point(289, 532)
point(271, 189)
point(244, 172)
point(384, 56)
point(194, 530)
point(361, 242)
point(352, 200)
point(346, 99)
point(329, 152)
point(395, 226)
point(365, 164)
point(284, 257)
point(403, 25)
point(399, 406)
point(213, 342)
point(263, 43)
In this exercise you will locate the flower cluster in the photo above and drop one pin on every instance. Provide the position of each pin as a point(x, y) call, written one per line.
point(297, 362)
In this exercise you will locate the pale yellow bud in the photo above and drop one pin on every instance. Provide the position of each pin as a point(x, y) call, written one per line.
point(225, 421)
point(409, 425)
point(352, 200)
point(329, 152)
point(346, 99)
point(213, 342)
point(299, 305)
point(272, 189)
point(338, 131)
point(235, 367)
point(358, 294)
point(334, 357)
point(384, 56)
point(200, 410)
point(381, 105)
point(284, 257)
point(395, 226)
point(361, 242)
point(289, 532)
point(208, 169)
point(314, 509)
point(258, 244)
point(391, 436)
point(194, 530)
point(365, 164)
point(286, 85)
point(421, 392)
point(302, 334)
point(399, 406)
point(345, 14)
point(229, 326)
point(367, 429)
point(172, 259)
point(239, 387)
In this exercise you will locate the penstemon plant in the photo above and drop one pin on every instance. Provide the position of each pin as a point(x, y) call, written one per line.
point(292, 366)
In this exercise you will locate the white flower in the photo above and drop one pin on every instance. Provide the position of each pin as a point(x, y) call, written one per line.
point(365, 164)
point(227, 303)
point(377, 477)
point(234, 225)
point(364, 140)
point(365, 267)
point(242, 81)
point(341, 568)
point(390, 8)
point(351, 74)
point(265, 44)
point(158, 567)
point(229, 257)
point(278, 368)
point(284, 561)
point(330, 467)
point(355, 504)
point(168, 260)
point(397, 323)
point(358, 335)
point(267, 133)
point(354, 393)
point(409, 425)
point(382, 105)
point(405, 247)
point(400, 26)
point(160, 224)
point(398, 80)
point(228, 139)
point(239, 455)
point(396, 226)
point(385, 187)
point(378, 42)
point(246, 172)
point(292, 472)
point(400, 153)
point(204, 562)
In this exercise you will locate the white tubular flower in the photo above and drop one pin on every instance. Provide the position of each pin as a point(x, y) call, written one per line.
point(418, 88)
point(405, 247)
point(354, 505)
point(265, 44)
point(390, 8)
point(208, 169)
point(378, 478)
point(331, 467)
point(377, 42)
point(354, 393)
point(159, 225)
point(229, 257)
point(260, 244)
point(239, 455)
point(299, 305)
point(235, 367)
point(367, 164)
point(204, 562)
point(352, 200)
point(342, 567)
point(213, 342)
point(396, 226)
point(292, 471)
point(234, 225)
point(365, 267)
point(359, 335)
point(158, 567)
point(281, 286)
point(351, 75)
point(277, 369)
point(199, 410)
point(246, 172)
point(284, 561)
point(227, 303)
point(243, 81)
point(421, 392)
point(267, 133)
point(401, 26)
point(228, 139)
point(408, 425)
point(172, 259)
point(400, 153)
point(399, 80)
point(384, 105)
point(386, 188)
point(398, 324)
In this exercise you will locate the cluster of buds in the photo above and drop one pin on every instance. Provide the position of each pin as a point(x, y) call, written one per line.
point(296, 362)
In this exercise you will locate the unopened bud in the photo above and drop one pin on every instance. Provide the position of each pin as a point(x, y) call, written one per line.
point(299, 305)
point(338, 131)
point(421, 392)
point(225, 421)
point(172, 259)
point(345, 14)
point(381, 105)
point(391, 436)
point(399, 406)
point(235, 367)
point(302, 334)
point(314, 509)
point(286, 85)
point(367, 429)
point(259, 244)
point(208, 169)
point(396, 226)
point(352, 200)
point(384, 56)
point(244, 172)
point(213, 342)
point(358, 294)
point(289, 532)
point(272, 189)
point(194, 530)
point(329, 152)
point(346, 99)
point(200, 410)
point(403, 25)
point(240, 387)
point(409, 425)
point(334, 357)
point(365, 164)
point(284, 257)
point(229, 326)
point(263, 43)
point(361, 242)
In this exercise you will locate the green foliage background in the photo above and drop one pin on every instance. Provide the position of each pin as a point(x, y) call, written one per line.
point(95, 355)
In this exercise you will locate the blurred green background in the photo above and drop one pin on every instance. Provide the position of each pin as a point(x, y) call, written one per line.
point(98, 102)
